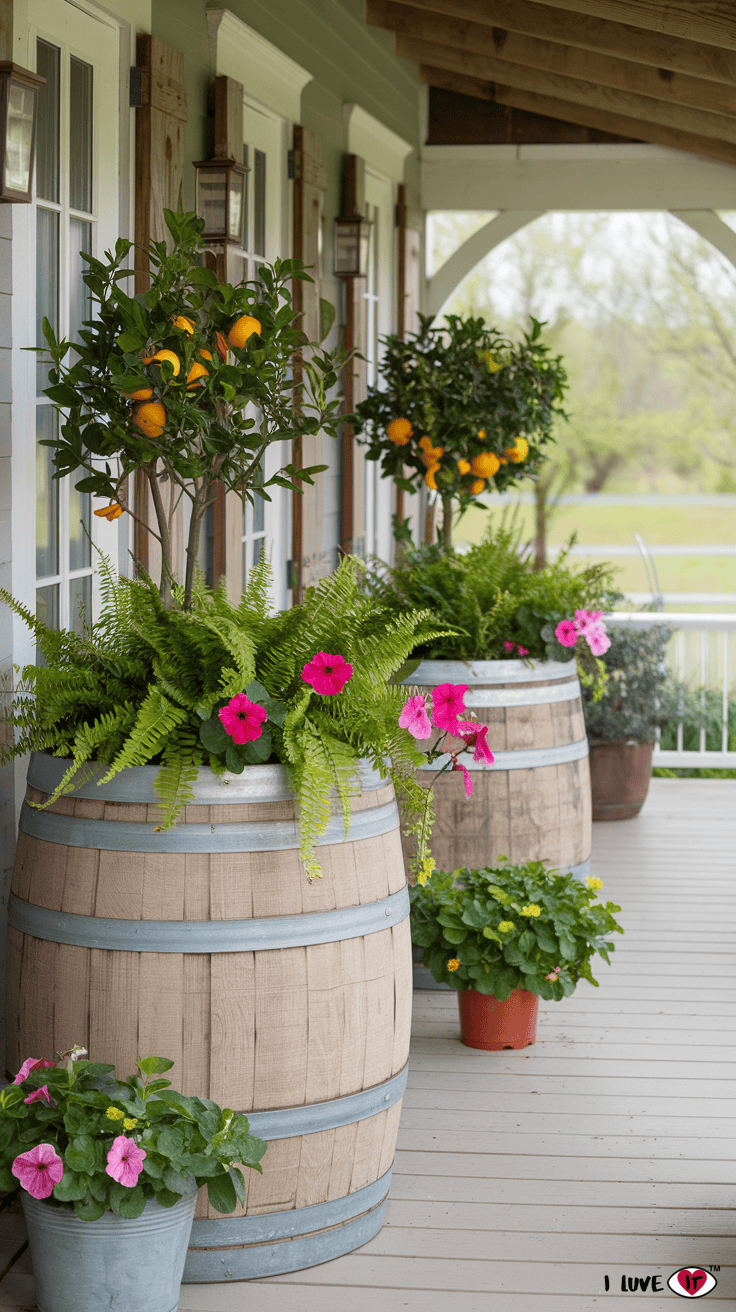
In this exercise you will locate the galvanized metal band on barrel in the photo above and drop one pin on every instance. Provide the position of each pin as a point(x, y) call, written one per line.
point(245, 836)
point(258, 783)
point(522, 760)
point(315, 1234)
point(507, 697)
point(208, 935)
point(289, 1122)
point(431, 673)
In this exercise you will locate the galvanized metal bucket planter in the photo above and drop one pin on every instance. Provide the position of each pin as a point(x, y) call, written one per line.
point(109, 1264)
point(533, 803)
point(205, 943)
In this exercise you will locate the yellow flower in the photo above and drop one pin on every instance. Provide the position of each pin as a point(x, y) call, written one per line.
point(399, 431)
point(130, 1122)
point(115, 1114)
point(485, 465)
point(464, 466)
point(453, 964)
point(519, 451)
point(426, 870)
point(531, 909)
point(505, 926)
point(593, 884)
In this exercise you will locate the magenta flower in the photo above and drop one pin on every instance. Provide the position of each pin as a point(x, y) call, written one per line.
point(327, 674)
point(242, 719)
point(508, 646)
point(458, 765)
point(585, 617)
point(31, 1064)
point(476, 735)
point(37, 1094)
point(39, 1170)
point(523, 651)
point(448, 703)
point(597, 639)
point(414, 718)
point(125, 1161)
point(566, 633)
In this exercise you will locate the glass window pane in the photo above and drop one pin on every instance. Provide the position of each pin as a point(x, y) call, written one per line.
point(80, 135)
point(47, 497)
point(80, 306)
point(257, 550)
point(259, 508)
point(246, 200)
point(80, 603)
point(47, 125)
point(47, 607)
point(80, 518)
point(259, 203)
point(47, 284)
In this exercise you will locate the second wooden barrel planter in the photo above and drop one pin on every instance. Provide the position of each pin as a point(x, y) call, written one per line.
point(533, 803)
point(205, 943)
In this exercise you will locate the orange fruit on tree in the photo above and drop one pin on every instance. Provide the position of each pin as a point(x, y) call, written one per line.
point(242, 329)
point(150, 417)
point(111, 512)
point(159, 358)
point(477, 486)
point(196, 374)
point(399, 431)
point(143, 394)
point(464, 466)
point(429, 476)
point(186, 325)
point(519, 451)
point(485, 465)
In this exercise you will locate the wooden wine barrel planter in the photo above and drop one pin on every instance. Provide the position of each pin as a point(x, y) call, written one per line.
point(533, 803)
point(206, 943)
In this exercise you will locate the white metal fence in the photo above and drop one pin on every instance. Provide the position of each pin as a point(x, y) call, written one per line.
point(702, 646)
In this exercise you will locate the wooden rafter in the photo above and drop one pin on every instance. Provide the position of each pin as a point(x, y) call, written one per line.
point(587, 32)
point(480, 40)
point(694, 20)
point(645, 109)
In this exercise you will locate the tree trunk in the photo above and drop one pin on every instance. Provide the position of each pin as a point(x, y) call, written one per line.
point(447, 519)
point(541, 521)
point(166, 581)
point(429, 518)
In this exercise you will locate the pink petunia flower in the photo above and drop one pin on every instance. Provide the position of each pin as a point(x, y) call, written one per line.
point(125, 1161)
point(327, 674)
point(476, 736)
point(242, 719)
point(566, 633)
point(448, 703)
point(38, 1094)
point(414, 718)
point(458, 765)
point(32, 1064)
point(523, 651)
point(597, 639)
point(585, 617)
point(509, 646)
point(39, 1170)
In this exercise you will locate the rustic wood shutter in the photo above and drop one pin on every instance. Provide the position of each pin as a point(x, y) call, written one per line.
point(159, 176)
point(310, 561)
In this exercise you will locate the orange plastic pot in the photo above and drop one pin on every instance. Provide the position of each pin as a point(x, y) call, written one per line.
point(487, 1023)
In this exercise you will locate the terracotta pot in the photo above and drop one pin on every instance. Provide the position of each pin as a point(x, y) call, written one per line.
point(487, 1023)
point(619, 777)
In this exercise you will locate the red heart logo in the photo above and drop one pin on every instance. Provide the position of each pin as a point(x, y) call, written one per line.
point(692, 1280)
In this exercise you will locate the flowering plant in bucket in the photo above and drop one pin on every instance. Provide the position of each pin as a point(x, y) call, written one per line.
point(512, 927)
point(71, 1133)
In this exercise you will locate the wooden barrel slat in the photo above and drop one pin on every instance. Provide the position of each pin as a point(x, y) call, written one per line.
point(254, 1030)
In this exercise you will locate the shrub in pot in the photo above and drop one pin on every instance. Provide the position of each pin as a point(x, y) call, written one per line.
point(108, 1172)
point(639, 698)
point(505, 936)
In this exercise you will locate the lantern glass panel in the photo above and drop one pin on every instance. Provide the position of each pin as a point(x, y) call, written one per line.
point(347, 247)
point(19, 137)
point(235, 205)
point(212, 199)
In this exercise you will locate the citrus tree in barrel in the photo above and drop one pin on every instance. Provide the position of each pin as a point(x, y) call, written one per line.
point(184, 384)
point(462, 409)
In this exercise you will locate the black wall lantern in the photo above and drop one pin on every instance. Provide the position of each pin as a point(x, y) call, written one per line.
point(18, 101)
point(352, 234)
point(221, 200)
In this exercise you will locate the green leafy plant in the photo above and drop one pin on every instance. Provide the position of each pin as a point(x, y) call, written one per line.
point(86, 1116)
point(698, 708)
point(461, 409)
point(146, 684)
point(186, 384)
point(490, 595)
point(511, 927)
point(640, 695)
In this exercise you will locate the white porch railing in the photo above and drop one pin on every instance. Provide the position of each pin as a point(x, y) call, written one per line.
point(711, 635)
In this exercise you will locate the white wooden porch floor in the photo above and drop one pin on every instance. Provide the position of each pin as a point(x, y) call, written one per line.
point(523, 1179)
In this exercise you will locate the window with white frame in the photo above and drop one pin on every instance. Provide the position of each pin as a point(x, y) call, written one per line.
point(78, 57)
point(378, 298)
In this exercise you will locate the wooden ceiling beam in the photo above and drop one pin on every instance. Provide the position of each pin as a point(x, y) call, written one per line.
point(680, 118)
point(467, 86)
point(551, 56)
point(713, 21)
point(589, 33)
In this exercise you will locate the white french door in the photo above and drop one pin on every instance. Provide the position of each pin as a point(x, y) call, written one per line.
point(75, 209)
